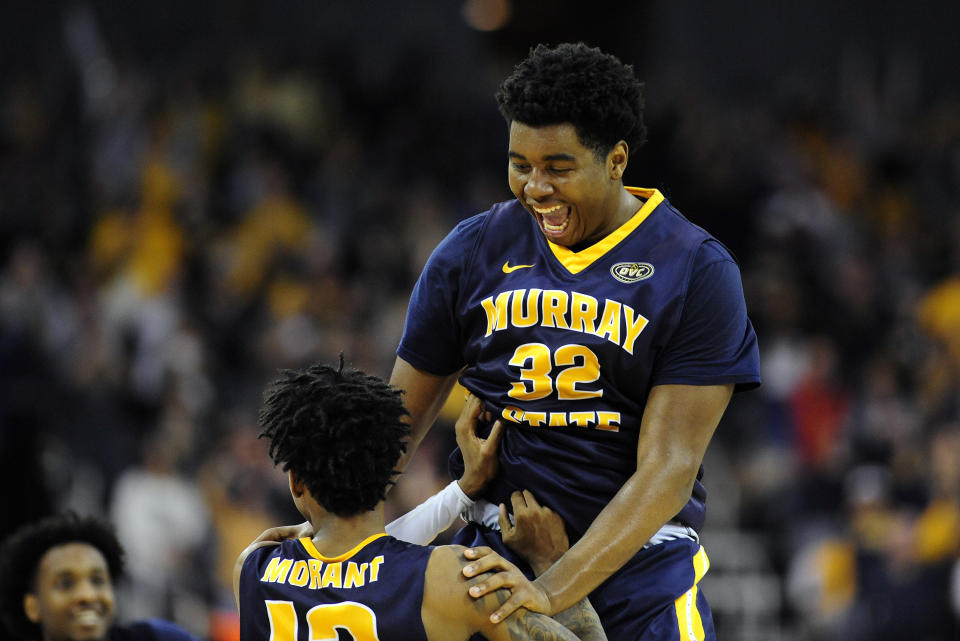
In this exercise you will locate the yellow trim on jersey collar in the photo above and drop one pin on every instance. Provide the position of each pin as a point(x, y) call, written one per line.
point(576, 262)
point(312, 550)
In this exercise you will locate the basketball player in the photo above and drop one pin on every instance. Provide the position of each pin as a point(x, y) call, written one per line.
point(57, 579)
point(606, 331)
point(339, 435)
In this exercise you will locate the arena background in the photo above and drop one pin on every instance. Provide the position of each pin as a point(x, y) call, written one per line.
point(193, 195)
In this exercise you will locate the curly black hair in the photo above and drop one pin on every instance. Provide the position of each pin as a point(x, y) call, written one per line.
point(573, 83)
point(21, 552)
point(340, 432)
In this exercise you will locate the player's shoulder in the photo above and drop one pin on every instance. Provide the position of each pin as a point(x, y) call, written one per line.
point(706, 247)
point(677, 223)
point(446, 586)
point(446, 557)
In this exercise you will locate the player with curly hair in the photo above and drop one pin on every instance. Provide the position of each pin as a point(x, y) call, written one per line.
point(606, 331)
point(57, 579)
point(339, 435)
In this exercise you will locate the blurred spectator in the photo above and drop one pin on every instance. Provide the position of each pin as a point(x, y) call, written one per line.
point(164, 524)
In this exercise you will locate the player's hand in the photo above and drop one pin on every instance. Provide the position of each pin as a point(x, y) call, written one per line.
point(479, 454)
point(536, 534)
point(285, 532)
point(523, 592)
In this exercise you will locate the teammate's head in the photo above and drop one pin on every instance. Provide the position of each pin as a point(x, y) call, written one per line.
point(576, 84)
point(340, 433)
point(56, 579)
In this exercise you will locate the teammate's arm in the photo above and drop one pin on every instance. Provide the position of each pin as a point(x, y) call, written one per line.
point(537, 534)
point(238, 566)
point(424, 395)
point(676, 428)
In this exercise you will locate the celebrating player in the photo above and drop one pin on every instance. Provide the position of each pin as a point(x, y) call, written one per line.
point(339, 435)
point(606, 331)
point(56, 584)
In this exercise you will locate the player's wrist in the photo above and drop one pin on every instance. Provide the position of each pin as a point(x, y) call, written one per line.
point(546, 605)
point(470, 487)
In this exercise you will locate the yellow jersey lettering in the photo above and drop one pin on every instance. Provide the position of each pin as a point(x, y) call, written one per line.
point(299, 575)
point(582, 419)
point(512, 414)
point(315, 567)
point(634, 327)
point(599, 419)
point(583, 313)
point(277, 570)
point(609, 327)
point(332, 576)
point(535, 418)
point(355, 575)
point(496, 312)
point(609, 421)
point(573, 311)
point(525, 316)
point(555, 304)
point(375, 567)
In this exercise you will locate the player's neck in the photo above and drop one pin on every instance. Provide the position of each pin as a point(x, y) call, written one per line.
point(335, 535)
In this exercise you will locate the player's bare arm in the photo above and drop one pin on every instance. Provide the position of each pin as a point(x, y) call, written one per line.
point(424, 395)
point(259, 542)
point(677, 425)
point(449, 613)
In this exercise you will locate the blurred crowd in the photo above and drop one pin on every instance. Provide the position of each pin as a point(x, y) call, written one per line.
point(171, 236)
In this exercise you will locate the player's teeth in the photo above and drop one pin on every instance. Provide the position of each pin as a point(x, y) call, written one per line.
point(547, 211)
point(88, 616)
point(559, 227)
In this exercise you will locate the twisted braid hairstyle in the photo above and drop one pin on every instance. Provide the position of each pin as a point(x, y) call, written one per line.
point(22, 551)
point(340, 432)
point(573, 83)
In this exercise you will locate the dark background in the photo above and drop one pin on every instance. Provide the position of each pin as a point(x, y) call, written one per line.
point(193, 195)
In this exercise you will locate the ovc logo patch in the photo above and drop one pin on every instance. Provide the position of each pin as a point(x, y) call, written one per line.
point(631, 272)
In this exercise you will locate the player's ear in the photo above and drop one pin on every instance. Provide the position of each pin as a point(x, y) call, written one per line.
point(297, 487)
point(31, 607)
point(617, 160)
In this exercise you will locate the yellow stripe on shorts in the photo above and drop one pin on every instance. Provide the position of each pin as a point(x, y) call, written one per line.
point(688, 616)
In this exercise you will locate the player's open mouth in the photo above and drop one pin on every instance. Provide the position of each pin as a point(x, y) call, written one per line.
point(554, 219)
point(88, 618)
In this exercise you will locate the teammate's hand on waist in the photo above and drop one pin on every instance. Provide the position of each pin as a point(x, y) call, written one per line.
point(537, 533)
point(479, 454)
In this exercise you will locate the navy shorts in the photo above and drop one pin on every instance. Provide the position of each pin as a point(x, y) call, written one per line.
point(654, 597)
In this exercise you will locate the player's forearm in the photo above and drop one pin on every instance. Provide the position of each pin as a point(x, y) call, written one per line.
point(423, 523)
point(651, 497)
point(582, 620)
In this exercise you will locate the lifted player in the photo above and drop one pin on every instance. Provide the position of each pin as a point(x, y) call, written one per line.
point(606, 330)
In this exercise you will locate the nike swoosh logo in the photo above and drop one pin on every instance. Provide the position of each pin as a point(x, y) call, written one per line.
point(507, 268)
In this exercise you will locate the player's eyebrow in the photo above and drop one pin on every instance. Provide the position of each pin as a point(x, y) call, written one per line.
point(563, 157)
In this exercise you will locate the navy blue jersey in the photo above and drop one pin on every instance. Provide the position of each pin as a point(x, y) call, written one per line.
point(566, 345)
point(291, 592)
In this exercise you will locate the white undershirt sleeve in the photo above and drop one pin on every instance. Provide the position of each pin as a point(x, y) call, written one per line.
point(423, 523)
